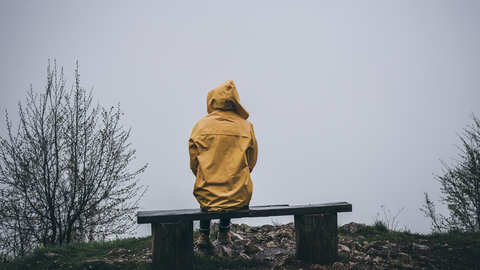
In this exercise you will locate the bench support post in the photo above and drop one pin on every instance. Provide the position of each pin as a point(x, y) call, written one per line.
point(172, 245)
point(316, 238)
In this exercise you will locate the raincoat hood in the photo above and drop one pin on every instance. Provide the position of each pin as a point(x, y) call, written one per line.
point(225, 97)
point(223, 151)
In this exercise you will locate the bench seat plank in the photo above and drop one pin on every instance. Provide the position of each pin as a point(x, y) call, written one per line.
point(164, 216)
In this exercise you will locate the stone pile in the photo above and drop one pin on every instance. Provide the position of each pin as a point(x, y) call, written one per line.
point(276, 244)
point(117, 257)
point(268, 242)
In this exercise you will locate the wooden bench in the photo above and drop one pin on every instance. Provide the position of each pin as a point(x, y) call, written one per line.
point(315, 230)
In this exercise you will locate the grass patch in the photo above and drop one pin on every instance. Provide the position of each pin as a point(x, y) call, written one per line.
point(469, 242)
point(343, 257)
point(380, 226)
point(379, 232)
point(71, 255)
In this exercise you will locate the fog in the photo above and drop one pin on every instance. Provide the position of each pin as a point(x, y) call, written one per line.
point(350, 101)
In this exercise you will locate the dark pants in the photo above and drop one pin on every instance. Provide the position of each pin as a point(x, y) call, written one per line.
point(205, 225)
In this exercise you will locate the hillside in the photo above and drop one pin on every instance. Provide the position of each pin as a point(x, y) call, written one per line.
point(273, 247)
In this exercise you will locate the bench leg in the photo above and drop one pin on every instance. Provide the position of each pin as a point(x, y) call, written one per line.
point(172, 245)
point(316, 238)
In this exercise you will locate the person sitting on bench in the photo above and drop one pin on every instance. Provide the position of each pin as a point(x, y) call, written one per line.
point(223, 151)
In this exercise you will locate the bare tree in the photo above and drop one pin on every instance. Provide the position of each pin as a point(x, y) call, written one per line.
point(64, 176)
point(460, 186)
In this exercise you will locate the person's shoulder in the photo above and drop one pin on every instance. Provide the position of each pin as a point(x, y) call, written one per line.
point(247, 126)
point(200, 125)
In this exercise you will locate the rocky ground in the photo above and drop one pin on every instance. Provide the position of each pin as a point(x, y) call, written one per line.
point(276, 245)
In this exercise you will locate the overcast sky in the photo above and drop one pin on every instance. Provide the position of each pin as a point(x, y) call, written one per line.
point(350, 100)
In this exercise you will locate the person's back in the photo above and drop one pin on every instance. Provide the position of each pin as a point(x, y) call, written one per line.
point(223, 152)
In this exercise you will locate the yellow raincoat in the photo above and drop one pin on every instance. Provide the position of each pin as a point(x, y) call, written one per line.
point(223, 152)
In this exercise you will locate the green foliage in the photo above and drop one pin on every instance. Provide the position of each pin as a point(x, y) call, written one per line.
point(390, 222)
point(237, 227)
point(71, 255)
point(460, 186)
point(343, 258)
point(380, 226)
point(214, 229)
point(276, 222)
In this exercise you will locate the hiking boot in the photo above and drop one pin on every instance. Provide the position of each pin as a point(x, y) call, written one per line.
point(203, 241)
point(224, 237)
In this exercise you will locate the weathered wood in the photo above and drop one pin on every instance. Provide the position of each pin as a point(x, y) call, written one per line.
point(254, 211)
point(315, 227)
point(316, 238)
point(172, 245)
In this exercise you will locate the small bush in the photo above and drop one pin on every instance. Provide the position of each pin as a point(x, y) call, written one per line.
point(380, 226)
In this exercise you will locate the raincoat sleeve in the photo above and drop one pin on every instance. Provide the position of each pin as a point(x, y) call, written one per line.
point(252, 151)
point(193, 151)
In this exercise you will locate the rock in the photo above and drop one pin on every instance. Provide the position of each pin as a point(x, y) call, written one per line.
point(252, 249)
point(355, 245)
point(235, 236)
point(202, 252)
point(345, 240)
point(359, 253)
point(338, 266)
point(93, 264)
point(282, 234)
point(223, 252)
point(50, 255)
point(373, 252)
point(424, 258)
point(343, 248)
point(403, 257)
point(288, 260)
point(267, 227)
point(218, 242)
point(117, 252)
point(421, 247)
point(271, 235)
point(271, 244)
point(366, 246)
point(243, 256)
point(360, 237)
point(285, 242)
point(353, 227)
point(378, 259)
point(389, 245)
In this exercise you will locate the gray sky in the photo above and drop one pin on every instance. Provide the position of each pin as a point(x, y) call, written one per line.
point(350, 100)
